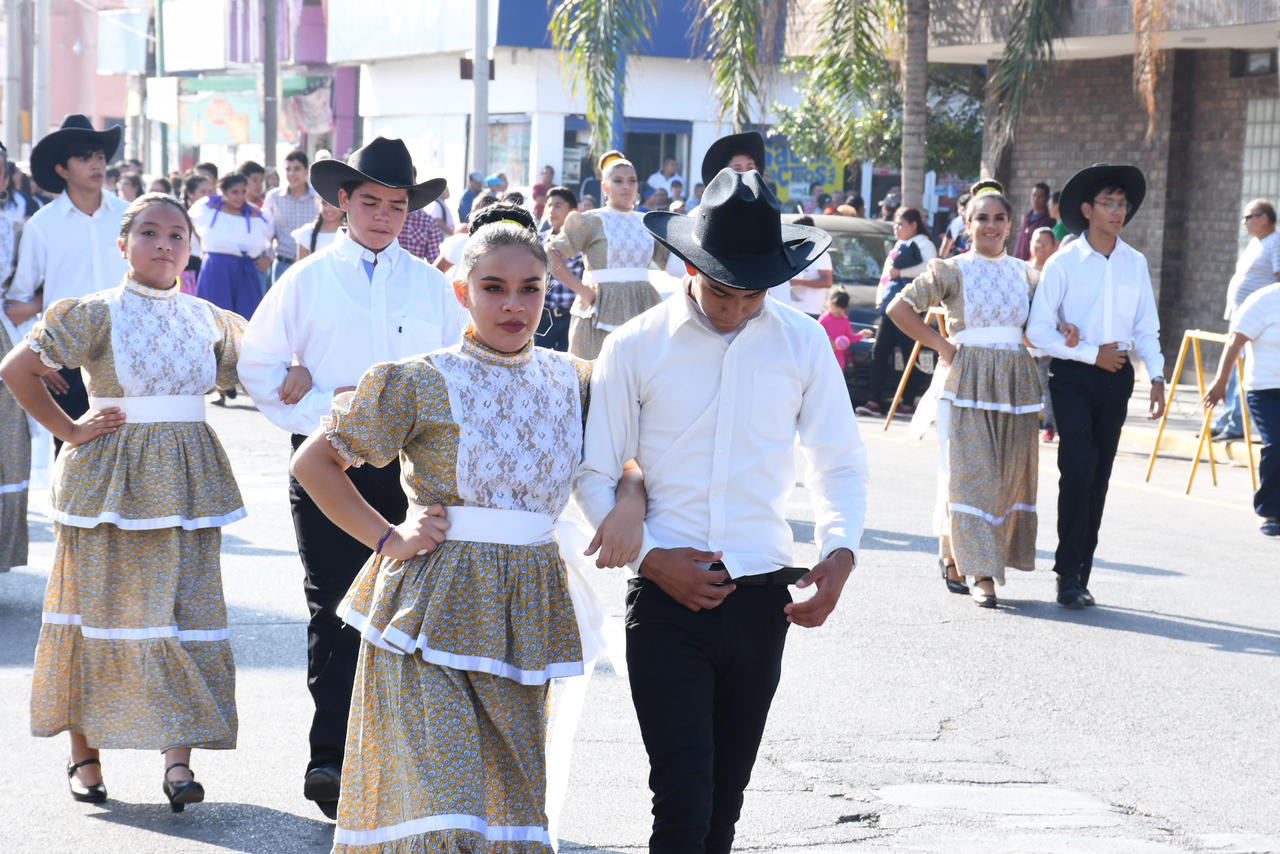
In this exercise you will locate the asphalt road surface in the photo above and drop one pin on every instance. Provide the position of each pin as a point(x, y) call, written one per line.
point(912, 721)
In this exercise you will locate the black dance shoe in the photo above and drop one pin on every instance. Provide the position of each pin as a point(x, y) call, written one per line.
point(323, 784)
point(181, 792)
point(952, 585)
point(95, 794)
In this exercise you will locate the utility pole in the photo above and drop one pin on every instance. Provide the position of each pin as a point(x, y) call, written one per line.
point(164, 127)
point(270, 76)
point(13, 78)
point(480, 102)
point(40, 74)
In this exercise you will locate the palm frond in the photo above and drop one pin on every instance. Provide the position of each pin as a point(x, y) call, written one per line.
point(1025, 61)
point(731, 31)
point(594, 38)
point(1149, 24)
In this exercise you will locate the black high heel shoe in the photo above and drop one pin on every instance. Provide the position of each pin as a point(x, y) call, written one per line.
point(952, 585)
point(984, 600)
point(182, 792)
point(95, 794)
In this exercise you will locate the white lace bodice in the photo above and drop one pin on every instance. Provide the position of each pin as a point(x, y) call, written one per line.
point(996, 292)
point(519, 420)
point(630, 245)
point(162, 341)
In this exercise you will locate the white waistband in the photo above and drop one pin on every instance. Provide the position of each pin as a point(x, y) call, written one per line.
point(490, 525)
point(989, 335)
point(617, 274)
point(160, 407)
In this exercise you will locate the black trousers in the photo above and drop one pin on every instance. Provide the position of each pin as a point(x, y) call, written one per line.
point(889, 338)
point(702, 683)
point(1089, 406)
point(74, 402)
point(330, 562)
point(1264, 409)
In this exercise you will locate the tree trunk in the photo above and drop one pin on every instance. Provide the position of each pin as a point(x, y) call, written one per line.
point(915, 60)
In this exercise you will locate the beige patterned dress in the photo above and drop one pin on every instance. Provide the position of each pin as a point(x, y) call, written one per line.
point(15, 435)
point(445, 747)
point(988, 413)
point(133, 648)
point(616, 251)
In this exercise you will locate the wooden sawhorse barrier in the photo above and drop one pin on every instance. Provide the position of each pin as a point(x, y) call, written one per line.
point(1191, 339)
point(939, 316)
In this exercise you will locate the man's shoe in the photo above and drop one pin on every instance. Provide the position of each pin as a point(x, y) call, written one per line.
point(1227, 436)
point(329, 808)
point(1047, 435)
point(323, 783)
point(1270, 527)
point(1071, 598)
point(1087, 598)
point(869, 408)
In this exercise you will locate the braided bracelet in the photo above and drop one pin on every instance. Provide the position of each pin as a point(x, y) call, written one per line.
point(383, 540)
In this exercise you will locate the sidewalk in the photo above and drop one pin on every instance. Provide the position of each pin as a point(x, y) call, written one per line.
point(1181, 430)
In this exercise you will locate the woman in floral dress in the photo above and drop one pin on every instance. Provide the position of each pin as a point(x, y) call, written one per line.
point(133, 649)
point(616, 251)
point(464, 609)
point(15, 436)
point(989, 408)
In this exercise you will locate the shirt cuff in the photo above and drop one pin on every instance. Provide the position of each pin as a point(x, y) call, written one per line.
point(647, 544)
point(1087, 353)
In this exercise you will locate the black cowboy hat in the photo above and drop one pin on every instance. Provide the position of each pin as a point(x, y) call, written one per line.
point(723, 149)
point(1077, 189)
point(736, 235)
point(383, 161)
point(51, 151)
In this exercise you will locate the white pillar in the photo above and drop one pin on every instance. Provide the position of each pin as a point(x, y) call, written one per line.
point(546, 145)
point(867, 170)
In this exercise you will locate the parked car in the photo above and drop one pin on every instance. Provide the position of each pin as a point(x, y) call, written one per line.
point(858, 249)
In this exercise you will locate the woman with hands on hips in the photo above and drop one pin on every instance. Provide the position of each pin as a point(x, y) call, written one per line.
point(988, 409)
point(464, 609)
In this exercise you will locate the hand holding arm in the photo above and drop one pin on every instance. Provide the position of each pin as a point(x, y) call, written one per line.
point(297, 382)
point(561, 271)
point(621, 534)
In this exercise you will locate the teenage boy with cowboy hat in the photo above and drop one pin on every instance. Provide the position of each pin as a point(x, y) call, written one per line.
point(708, 392)
point(68, 247)
point(1102, 285)
point(740, 152)
point(360, 301)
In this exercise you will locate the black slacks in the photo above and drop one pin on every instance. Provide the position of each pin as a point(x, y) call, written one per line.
point(1089, 406)
point(702, 683)
point(74, 402)
point(888, 339)
point(330, 562)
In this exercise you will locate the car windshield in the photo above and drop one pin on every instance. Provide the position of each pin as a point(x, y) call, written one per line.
point(857, 259)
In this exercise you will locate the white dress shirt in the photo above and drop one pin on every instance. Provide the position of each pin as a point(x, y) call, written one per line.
point(1109, 299)
point(713, 421)
point(328, 315)
point(70, 252)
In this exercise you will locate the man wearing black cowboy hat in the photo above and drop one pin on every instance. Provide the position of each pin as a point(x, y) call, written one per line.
point(361, 300)
point(68, 247)
point(740, 152)
point(1102, 285)
point(709, 392)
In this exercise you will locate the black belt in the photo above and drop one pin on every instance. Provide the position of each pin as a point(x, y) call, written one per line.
point(786, 575)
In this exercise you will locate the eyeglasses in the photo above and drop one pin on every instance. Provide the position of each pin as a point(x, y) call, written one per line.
point(1248, 217)
point(1112, 206)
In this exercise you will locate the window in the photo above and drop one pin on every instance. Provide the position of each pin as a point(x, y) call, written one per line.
point(1261, 153)
point(1253, 63)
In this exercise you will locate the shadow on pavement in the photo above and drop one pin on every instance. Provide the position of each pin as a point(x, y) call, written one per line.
point(1227, 637)
point(1046, 559)
point(231, 826)
point(893, 541)
point(233, 545)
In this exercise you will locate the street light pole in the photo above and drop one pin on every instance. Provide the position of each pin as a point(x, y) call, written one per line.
point(40, 75)
point(270, 74)
point(480, 102)
point(164, 127)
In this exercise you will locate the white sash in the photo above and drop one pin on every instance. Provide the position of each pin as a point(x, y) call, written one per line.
point(616, 274)
point(981, 335)
point(155, 408)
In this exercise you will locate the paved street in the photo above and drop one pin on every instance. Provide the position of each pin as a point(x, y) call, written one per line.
point(913, 721)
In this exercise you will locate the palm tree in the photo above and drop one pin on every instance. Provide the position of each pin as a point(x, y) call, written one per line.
point(915, 64)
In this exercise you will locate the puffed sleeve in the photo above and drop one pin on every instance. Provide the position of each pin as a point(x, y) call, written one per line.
point(931, 287)
point(583, 368)
point(227, 349)
point(577, 233)
point(71, 333)
point(376, 421)
point(201, 215)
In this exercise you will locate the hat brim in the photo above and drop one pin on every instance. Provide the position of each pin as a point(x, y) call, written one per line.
point(48, 152)
point(802, 245)
point(328, 176)
point(717, 157)
point(1073, 194)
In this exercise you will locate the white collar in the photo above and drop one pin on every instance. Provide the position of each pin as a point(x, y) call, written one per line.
point(353, 253)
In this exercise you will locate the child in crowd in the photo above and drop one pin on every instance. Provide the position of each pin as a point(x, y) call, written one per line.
point(464, 608)
point(134, 650)
point(836, 321)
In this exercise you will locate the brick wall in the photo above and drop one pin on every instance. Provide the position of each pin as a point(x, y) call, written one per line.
point(1189, 223)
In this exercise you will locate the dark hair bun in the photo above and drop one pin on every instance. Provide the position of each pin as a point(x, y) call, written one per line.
point(988, 184)
point(502, 212)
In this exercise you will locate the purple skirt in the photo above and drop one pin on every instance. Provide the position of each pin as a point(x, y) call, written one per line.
point(230, 282)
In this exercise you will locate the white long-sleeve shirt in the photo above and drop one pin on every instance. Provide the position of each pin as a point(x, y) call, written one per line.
point(332, 317)
point(69, 252)
point(713, 421)
point(1109, 299)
